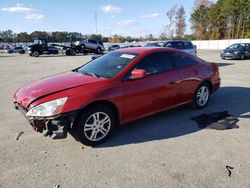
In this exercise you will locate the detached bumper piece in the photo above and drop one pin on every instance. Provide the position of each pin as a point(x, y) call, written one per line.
point(55, 127)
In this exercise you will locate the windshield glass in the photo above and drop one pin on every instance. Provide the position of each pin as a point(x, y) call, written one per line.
point(236, 46)
point(109, 65)
point(36, 41)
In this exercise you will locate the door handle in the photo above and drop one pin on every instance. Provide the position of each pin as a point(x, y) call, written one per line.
point(172, 82)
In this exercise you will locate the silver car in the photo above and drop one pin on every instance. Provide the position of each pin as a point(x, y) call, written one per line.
point(91, 45)
point(183, 45)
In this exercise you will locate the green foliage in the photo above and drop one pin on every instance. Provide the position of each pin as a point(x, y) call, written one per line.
point(224, 19)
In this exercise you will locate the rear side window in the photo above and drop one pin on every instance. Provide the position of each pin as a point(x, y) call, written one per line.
point(181, 60)
point(157, 62)
point(187, 45)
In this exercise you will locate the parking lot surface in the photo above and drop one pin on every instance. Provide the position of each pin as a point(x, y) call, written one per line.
point(164, 150)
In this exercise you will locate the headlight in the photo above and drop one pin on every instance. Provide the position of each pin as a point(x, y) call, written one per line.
point(237, 52)
point(48, 108)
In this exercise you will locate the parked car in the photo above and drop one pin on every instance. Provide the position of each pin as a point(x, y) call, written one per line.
point(114, 47)
point(19, 50)
point(52, 50)
point(183, 45)
point(116, 88)
point(6, 47)
point(128, 46)
point(91, 45)
point(153, 44)
point(236, 51)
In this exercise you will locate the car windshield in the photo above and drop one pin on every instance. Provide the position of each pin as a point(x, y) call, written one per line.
point(238, 46)
point(37, 42)
point(107, 66)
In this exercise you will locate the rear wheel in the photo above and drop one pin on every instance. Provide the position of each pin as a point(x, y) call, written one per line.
point(201, 96)
point(95, 125)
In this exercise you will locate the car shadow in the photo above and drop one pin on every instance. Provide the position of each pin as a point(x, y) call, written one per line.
point(224, 64)
point(177, 122)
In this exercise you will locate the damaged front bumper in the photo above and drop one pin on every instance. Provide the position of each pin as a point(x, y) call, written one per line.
point(56, 127)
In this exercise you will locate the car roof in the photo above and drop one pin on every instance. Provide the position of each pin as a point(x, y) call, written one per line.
point(177, 41)
point(141, 50)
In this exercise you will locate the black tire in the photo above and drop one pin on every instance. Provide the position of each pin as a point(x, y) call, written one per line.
point(35, 54)
point(98, 50)
point(10, 52)
point(81, 127)
point(197, 102)
point(70, 52)
point(242, 56)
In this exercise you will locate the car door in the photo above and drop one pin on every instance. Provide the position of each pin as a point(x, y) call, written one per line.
point(185, 65)
point(92, 44)
point(87, 44)
point(158, 90)
point(188, 47)
point(247, 50)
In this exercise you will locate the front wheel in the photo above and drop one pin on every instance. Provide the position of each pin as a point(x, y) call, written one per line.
point(70, 52)
point(36, 54)
point(98, 50)
point(201, 96)
point(95, 125)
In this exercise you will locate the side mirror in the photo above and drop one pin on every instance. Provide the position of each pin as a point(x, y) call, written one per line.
point(138, 73)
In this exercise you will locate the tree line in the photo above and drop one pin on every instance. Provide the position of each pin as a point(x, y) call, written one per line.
point(225, 19)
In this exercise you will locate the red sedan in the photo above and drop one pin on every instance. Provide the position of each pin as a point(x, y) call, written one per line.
point(114, 89)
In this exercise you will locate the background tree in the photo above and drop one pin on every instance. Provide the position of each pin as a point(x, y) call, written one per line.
point(171, 14)
point(23, 37)
point(199, 22)
point(180, 22)
point(224, 19)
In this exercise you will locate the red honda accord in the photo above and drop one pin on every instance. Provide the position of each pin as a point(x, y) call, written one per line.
point(114, 89)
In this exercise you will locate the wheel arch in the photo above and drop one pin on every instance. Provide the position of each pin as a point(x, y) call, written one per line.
point(109, 104)
point(209, 84)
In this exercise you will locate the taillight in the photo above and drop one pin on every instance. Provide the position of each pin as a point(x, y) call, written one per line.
point(215, 68)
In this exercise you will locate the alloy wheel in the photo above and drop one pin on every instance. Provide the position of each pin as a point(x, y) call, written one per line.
point(202, 96)
point(97, 126)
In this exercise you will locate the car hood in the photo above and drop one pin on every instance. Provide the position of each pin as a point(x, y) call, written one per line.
point(231, 50)
point(53, 84)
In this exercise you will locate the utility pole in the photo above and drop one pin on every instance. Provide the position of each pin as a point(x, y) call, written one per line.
point(95, 19)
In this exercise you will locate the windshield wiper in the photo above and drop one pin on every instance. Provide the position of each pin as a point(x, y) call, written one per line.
point(91, 74)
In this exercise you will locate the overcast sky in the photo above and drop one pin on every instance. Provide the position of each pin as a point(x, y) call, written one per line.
point(125, 17)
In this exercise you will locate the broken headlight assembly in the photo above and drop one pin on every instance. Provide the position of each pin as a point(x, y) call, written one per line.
point(47, 109)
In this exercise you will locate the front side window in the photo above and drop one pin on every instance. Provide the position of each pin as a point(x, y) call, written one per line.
point(109, 65)
point(157, 62)
point(237, 46)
